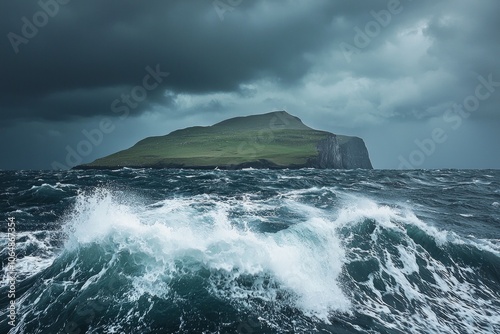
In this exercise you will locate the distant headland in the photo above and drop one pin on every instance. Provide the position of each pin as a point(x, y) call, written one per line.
point(275, 140)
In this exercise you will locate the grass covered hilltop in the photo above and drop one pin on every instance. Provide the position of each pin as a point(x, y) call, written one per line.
point(273, 140)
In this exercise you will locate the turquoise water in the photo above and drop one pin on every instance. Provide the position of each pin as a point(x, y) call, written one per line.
point(252, 251)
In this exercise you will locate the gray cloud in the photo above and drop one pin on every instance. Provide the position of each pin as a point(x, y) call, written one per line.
point(97, 47)
point(263, 55)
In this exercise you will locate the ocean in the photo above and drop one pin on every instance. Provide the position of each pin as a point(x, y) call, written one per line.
point(250, 251)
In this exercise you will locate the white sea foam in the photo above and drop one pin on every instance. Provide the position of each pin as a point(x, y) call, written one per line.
point(40, 253)
point(467, 305)
point(304, 260)
point(300, 266)
point(46, 186)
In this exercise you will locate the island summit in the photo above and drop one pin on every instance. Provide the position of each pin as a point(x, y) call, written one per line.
point(274, 140)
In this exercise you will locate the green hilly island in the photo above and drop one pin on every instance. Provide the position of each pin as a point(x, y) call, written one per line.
point(272, 140)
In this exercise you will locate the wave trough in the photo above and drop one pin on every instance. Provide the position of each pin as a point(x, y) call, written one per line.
point(254, 252)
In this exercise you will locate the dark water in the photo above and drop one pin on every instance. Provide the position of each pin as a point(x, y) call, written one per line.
point(305, 251)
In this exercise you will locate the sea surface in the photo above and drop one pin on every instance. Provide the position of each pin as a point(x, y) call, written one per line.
point(250, 251)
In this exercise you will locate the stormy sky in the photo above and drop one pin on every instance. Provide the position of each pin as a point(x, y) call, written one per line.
point(419, 81)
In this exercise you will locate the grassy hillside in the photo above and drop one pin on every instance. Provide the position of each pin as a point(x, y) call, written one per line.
point(278, 138)
point(267, 122)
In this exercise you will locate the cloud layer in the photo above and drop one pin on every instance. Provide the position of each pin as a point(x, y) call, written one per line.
point(388, 71)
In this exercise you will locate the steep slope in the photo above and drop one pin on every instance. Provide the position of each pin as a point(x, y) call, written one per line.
point(272, 140)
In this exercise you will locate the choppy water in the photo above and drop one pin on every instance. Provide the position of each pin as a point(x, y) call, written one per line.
point(252, 251)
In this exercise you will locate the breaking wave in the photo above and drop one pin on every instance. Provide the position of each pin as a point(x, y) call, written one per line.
point(315, 258)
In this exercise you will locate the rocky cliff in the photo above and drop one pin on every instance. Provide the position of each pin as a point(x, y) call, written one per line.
point(345, 153)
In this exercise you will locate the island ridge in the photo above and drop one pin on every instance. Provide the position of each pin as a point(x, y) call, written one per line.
point(275, 140)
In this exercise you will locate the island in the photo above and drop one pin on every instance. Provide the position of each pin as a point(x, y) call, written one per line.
point(275, 140)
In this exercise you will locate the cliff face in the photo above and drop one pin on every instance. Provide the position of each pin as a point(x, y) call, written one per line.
point(329, 153)
point(355, 154)
point(342, 154)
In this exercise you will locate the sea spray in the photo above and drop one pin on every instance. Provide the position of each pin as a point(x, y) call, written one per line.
point(158, 251)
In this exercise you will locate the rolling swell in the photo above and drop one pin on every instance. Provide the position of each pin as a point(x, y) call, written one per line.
point(256, 252)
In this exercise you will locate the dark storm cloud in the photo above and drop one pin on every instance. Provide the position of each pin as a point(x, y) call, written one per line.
point(247, 56)
point(94, 50)
point(98, 50)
